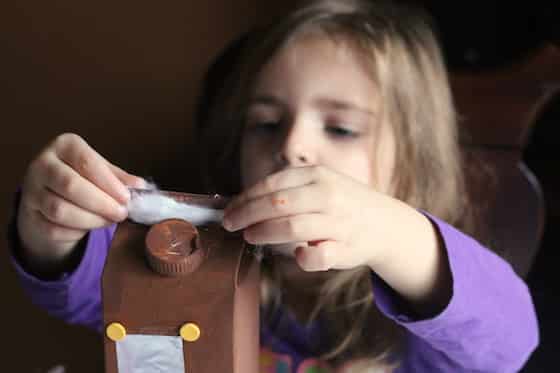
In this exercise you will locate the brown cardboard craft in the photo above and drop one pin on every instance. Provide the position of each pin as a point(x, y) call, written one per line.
point(217, 291)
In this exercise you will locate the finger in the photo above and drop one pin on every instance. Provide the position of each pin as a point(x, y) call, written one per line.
point(128, 179)
point(275, 205)
point(54, 232)
point(67, 183)
point(285, 179)
point(61, 212)
point(321, 257)
point(75, 152)
point(297, 228)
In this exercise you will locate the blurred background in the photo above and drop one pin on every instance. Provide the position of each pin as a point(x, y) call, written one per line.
point(125, 76)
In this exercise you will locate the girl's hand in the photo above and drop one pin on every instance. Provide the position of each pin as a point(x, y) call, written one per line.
point(68, 190)
point(345, 223)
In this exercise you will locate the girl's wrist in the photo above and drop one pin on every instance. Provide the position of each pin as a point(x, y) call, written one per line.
point(395, 218)
point(413, 260)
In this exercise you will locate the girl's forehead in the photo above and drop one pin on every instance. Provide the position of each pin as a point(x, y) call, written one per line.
point(320, 65)
point(329, 47)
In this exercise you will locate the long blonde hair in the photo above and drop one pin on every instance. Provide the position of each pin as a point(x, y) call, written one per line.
point(399, 45)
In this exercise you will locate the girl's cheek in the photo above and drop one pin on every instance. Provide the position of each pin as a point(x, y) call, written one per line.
point(253, 169)
point(249, 160)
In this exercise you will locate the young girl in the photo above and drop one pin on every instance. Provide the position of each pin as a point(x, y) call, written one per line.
point(337, 134)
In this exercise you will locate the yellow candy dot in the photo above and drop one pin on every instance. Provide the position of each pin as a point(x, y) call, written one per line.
point(190, 332)
point(116, 331)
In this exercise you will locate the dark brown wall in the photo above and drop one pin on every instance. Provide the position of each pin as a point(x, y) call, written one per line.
point(124, 76)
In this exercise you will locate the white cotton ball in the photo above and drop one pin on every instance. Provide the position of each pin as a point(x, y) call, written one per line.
point(152, 208)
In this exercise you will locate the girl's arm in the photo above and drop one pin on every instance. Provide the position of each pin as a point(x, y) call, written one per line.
point(461, 303)
point(75, 296)
point(413, 260)
point(66, 209)
point(488, 324)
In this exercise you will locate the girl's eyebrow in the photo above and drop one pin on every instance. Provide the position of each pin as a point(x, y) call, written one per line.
point(268, 100)
point(329, 103)
point(323, 103)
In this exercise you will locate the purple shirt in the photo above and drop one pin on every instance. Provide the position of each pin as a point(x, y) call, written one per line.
point(489, 324)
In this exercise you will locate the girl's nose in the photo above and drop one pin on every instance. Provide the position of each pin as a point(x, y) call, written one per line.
point(297, 147)
point(288, 161)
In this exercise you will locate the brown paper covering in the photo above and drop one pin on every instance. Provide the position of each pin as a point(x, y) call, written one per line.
point(221, 296)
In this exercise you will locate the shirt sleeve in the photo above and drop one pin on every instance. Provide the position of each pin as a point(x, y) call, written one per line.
point(489, 325)
point(74, 297)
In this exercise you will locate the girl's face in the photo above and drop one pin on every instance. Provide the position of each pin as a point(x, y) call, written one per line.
point(315, 103)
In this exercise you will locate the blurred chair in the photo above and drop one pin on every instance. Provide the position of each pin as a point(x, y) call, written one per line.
point(509, 204)
point(498, 109)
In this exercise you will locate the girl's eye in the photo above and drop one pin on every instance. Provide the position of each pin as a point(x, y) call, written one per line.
point(264, 127)
point(339, 131)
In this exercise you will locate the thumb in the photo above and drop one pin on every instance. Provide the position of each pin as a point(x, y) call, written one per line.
point(319, 255)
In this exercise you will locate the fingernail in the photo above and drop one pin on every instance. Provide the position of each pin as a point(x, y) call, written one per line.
point(226, 223)
point(141, 183)
point(247, 237)
point(123, 211)
point(124, 194)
